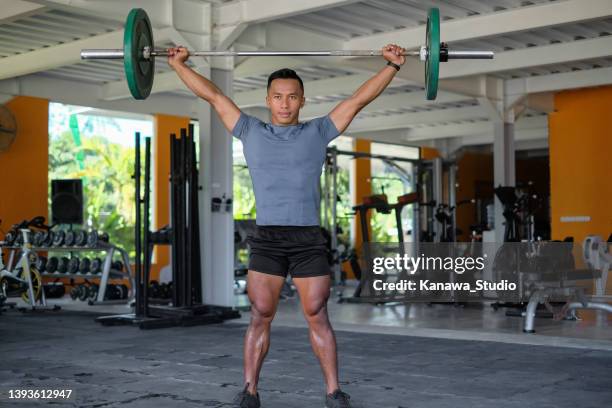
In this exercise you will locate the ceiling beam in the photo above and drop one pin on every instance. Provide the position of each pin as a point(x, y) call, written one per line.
point(524, 139)
point(413, 72)
point(525, 125)
point(487, 25)
point(559, 82)
point(232, 19)
point(405, 120)
point(159, 11)
point(253, 66)
point(12, 10)
point(87, 94)
point(257, 11)
point(398, 100)
point(60, 55)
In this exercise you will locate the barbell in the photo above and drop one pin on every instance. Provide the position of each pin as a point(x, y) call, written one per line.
point(138, 53)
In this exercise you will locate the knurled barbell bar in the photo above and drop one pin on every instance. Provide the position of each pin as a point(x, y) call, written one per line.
point(138, 53)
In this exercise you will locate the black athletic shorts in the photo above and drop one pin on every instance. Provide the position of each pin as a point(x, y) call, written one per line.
point(279, 250)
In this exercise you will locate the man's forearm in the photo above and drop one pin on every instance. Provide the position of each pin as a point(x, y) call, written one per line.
point(374, 86)
point(200, 86)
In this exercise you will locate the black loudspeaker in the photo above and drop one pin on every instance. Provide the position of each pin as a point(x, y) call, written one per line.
point(67, 201)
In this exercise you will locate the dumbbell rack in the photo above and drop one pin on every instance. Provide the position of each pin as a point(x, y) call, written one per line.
point(106, 273)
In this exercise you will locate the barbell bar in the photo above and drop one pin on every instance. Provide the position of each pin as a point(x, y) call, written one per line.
point(116, 54)
point(139, 53)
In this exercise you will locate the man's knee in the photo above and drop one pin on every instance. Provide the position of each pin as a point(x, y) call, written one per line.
point(315, 312)
point(262, 313)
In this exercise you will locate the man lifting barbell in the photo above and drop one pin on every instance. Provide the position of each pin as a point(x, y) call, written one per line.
point(285, 158)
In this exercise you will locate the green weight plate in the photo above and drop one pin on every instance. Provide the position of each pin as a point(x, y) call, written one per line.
point(138, 71)
point(432, 64)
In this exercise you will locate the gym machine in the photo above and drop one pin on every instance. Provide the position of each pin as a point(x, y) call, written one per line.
point(330, 196)
point(596, 255)
point(33, 236)
point(380, 204)
point(183, 237)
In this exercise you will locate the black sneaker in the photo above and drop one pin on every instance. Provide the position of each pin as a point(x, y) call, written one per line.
point(337, 399)
point(245, 399)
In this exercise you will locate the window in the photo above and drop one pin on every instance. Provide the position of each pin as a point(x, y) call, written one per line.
point(97, 146)
point(244, 196)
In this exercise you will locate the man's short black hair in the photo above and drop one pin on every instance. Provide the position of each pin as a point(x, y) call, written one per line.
point(285, 73)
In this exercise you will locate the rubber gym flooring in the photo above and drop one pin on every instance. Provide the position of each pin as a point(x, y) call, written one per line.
point(201, 366)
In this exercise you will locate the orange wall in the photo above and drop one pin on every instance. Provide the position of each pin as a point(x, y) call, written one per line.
point(471, 169)
point(361, 181)
point(580, 140)
point(164, 126)
point(429, 153)
point(24, 166)
point(475, 169)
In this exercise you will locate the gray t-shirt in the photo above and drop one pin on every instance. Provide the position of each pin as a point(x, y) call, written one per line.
point(285, 164)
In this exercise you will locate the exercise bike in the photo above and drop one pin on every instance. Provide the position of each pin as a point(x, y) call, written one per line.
point(23, 279)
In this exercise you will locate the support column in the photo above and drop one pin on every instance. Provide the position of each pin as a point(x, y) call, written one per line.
point(503, 169)
point(438, 194)
point(216, 180)
point(504, 174)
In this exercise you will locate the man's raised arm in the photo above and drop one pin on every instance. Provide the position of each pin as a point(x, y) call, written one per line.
point(343, 114)
point(204, 88)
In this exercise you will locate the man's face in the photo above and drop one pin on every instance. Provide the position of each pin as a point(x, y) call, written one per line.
point(285, 99)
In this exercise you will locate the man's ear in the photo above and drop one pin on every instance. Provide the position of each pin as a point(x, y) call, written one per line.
point(303, 102)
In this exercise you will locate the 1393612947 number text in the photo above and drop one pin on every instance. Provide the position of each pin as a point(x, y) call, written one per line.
point(38, 394)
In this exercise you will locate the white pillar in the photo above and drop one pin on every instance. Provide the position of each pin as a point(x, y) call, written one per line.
point(503, 169)
point(438, 194)
point(216, 180)
point(503, 154)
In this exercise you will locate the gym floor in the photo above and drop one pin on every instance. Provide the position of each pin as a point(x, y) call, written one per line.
point(417, 356)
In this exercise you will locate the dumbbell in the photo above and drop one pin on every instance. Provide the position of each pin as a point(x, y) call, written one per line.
point(77, 292)
point(52, 265)
point(62, 266)
point(38, 238)
point(163, 291)
point(154, 289)
point(69, 238)
point(85, 265)
point(92, 293)
point(49, 236)
point(94, 238)
point(18, 239)
point(73, 265)
point(58, 238)
point(96, 266)
point(9, 238)
point(84, 292)
point(122, 291)
point(41, 264)
point(54, 290)
point(80, 238)
point(112, 292)
point(117, 265)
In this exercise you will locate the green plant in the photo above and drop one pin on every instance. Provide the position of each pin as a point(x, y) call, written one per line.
point(108, 187)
